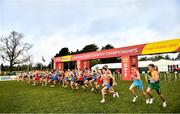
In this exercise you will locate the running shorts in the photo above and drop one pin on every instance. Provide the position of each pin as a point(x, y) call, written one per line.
point(138, 83)
point(155, 86)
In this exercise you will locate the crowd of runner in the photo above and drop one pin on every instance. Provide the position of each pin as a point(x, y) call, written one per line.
point(95, 79)
point(75, 79)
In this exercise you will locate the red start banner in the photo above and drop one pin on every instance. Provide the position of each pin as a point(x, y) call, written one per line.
point(117, 52)
point(143, 49)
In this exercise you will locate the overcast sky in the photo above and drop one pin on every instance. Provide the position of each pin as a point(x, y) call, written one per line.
point(52, 24)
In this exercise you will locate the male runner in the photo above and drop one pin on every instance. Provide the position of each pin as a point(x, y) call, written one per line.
point(154, 84)
point(107, 82)
point(135, 75)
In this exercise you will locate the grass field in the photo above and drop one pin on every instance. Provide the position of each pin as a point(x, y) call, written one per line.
point(19, 97)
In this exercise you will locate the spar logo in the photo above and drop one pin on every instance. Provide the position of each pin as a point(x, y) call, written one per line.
point(66, 58)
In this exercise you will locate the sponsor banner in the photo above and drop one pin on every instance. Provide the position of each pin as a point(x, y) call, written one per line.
point(7, 78)
point(125, 67)
point(117, 52)
point(66, 58)
point(161, 47)
point(127, 61)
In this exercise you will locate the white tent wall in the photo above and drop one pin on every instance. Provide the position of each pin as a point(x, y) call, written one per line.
point(161, 64)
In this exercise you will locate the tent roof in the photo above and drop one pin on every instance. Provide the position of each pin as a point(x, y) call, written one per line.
point(165, 62)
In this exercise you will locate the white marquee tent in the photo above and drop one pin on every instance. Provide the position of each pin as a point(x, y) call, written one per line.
point(161, 64)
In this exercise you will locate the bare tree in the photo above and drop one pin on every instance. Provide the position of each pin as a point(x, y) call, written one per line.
point(13, 49)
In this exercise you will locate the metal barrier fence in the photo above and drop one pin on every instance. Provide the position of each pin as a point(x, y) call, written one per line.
point(164, 76)
point(7, 78)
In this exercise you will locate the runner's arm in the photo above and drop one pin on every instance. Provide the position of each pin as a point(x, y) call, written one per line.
point(155, 76)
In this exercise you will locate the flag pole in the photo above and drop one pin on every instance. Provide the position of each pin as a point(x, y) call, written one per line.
point(0, 68)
